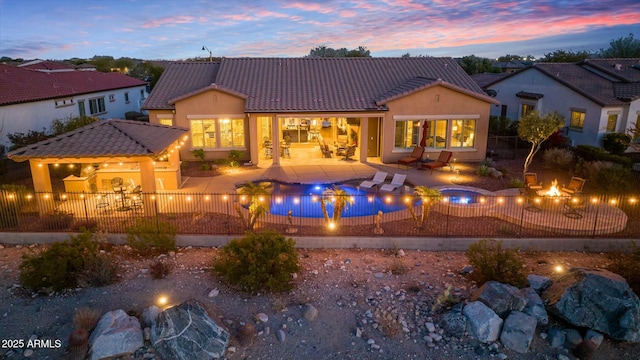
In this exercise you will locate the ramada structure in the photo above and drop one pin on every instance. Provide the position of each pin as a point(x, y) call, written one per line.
point(383, 106)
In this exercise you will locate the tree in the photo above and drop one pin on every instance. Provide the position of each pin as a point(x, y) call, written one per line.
point(562, 56)
point(324, 51)
point(536, 129)
point(258, 203)
point(339, 199)
point(627, 47)
point(510, 57)
point(475, 65)
point(59, 126)
point(634, 132)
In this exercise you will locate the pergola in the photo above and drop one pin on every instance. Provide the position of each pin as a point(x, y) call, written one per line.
point(105, 142)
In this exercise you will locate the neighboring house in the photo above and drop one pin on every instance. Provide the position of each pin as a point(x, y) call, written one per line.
point(378, 104)
point(33, 95)
point(596, 96)
point(511, 66)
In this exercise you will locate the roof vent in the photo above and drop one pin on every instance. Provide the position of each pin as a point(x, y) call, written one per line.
point(618, 66)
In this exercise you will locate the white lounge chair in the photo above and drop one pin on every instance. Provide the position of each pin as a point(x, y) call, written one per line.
point(378, 179)
point(396, 182)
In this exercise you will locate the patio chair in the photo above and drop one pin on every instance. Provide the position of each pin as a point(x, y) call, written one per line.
point(442, 161)
point(324, 148)
point(102, 203)
point(378, 179)
point(117, 183)
point(531, 181)
point(349, 152)
point(574, 187)
point(136, 197)
point(416, 155)
point(396, 182)
point(575, 206)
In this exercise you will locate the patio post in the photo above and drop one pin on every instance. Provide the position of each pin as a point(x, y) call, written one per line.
point(42, 186)
point(148, 184)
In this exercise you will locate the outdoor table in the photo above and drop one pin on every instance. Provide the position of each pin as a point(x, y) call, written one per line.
point(122, 198)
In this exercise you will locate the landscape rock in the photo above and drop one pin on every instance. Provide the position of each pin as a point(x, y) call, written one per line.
point(593, 339)
point(262, 317)
point(501, 298)
point(280, 335)
point(483, 324)
point(115, 334)
point(310, 313)
point(572, 338)
point(187, 332)
point(596, 299)
point(246, 334)
point(518, 331)
point(454, 322)
point(556, 337)
point(535, 306)
point(149, 315)
point(538, 283)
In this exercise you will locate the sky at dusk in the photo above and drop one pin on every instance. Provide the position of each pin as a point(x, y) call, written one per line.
point(172, 30)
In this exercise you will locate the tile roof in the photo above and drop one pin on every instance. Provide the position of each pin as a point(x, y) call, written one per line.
point(627, 70)
point(178, 79)
point(18, 85)
point(485, 79)
point(309, 84)
point(105, 138)
point(42, 65)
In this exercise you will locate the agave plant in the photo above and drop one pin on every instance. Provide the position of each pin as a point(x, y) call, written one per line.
point(257, 195)
point(428, 197)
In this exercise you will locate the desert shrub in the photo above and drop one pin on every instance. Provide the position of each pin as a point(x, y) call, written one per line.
point(488, 162)
point(99, 270)
point(557, 158)
point(516, 183)
point(86, 318)
point(160, 269)
point(594, 153)
point(493, 262)
point(259, 261)
point(483, 170)
point(607, 177)
point(64, 264)
point(150, 236)
point(398, 267)
point(446, 300)
point(616, 143)
point(627, 265)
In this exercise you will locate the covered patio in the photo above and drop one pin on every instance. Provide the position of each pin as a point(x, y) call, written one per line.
point(139, 154)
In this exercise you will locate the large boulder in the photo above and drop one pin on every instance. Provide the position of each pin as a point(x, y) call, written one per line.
point(596, 299)
point(116, 334)
point(186, 332)
point(454, 323)
point(483, 324)
point(535, 306)
point(517, 331)
point(501, 298)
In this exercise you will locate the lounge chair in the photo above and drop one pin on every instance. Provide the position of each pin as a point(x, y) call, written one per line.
point(442, 161)
point(575, 206)
point(416, 155)
point(396, 182)
point(574, 187)
point(378, 179)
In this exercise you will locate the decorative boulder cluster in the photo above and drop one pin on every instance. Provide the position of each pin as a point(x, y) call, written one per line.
point(595, 299)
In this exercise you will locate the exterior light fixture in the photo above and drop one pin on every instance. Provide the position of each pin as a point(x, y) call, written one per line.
point(204, 48)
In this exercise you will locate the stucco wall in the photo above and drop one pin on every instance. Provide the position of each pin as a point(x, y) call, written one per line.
point(437, 101)
point(39, 114)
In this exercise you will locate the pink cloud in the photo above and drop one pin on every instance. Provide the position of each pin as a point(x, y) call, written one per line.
point(168, 21)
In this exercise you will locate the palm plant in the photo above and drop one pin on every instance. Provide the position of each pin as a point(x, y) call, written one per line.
point(258, 203)
point(339, 198)
point(428, 197)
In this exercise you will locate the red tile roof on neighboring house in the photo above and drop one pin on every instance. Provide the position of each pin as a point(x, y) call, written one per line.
point(105, 138)
point(627, 70)
point(309, 84)
point(42, 65)
point(18, 85)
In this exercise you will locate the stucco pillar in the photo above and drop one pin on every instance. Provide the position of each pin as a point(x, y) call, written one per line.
point(42, 186)
point(275, 140)
point(254, 141)
point(148, 184)
point(363, 141)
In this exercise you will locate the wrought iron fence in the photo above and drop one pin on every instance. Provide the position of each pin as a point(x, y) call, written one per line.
point(372, 214)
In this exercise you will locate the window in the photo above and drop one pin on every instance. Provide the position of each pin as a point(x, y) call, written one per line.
point(126, 97)
point(217, 133)
point(65, 102)
point(527, 109)
point(463, 133)
point(577, 119)
point(96, 106)
point(112, 98)
point(81, 110)
point(612, 121)
point(168, 121)
point(458, 133)
point(142, 94)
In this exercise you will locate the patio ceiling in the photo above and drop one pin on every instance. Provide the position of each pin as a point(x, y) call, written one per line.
point(105, 139)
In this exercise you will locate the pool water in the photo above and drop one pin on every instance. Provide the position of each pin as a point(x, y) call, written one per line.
point(304, 200)
point(461, 197)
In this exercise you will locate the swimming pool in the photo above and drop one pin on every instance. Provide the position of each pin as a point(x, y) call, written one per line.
point(304, 200)
point(461, 196)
